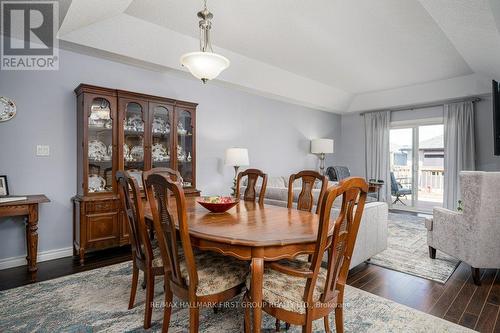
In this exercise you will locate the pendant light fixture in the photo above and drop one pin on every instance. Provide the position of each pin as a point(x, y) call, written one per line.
point(205, 64)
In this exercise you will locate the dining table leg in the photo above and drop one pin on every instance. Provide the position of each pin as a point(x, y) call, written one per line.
point(256, 292)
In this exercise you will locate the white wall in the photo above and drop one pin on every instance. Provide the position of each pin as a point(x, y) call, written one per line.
point(277, 135)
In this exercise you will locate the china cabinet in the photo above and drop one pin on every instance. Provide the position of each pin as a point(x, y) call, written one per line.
point(122, 130)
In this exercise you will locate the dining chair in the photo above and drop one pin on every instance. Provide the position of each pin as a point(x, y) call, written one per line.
point(250, 191)
point(173, 174)
point(299, 292)
point(145, 252)
point(305, 200)
point(201, 278)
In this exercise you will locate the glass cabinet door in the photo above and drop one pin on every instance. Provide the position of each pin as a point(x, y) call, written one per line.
point(133, 144)
point(100, 146)
point(185, 145)
point(161, 122)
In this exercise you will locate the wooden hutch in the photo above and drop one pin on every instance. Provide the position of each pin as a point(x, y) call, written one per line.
point(122, 130)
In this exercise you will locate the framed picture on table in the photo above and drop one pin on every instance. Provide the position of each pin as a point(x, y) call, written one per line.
point(4, 186)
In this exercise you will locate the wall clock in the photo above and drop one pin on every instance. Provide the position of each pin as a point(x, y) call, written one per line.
point(7, 109)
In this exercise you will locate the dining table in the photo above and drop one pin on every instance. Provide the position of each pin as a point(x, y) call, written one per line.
point(252, 232)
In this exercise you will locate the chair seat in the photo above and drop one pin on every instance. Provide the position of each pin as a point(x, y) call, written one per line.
point(284, 291)
point(216, 273)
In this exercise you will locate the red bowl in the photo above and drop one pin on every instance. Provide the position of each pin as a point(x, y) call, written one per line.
point(218, 204)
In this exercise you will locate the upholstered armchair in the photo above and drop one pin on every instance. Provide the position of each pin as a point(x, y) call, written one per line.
point(472, 235)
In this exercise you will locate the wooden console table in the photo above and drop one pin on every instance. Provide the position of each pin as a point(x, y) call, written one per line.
point(29, 209)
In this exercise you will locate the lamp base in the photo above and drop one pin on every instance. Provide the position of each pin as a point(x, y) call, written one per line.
point(322, 164)
point(236, 167)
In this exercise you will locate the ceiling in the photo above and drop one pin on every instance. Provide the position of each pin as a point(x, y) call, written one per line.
point(334, 55)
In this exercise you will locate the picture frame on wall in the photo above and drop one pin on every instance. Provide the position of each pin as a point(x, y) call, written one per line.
point(4, 186)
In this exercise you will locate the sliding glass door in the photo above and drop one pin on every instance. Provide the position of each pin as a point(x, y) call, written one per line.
point(417, 160)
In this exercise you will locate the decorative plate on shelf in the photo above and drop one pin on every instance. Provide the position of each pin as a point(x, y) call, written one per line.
point(160, 153)
point(96, 183)
point(97, 150)
point(7, 109)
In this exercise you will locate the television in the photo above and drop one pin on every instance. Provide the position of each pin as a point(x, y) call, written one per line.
point(496, 117)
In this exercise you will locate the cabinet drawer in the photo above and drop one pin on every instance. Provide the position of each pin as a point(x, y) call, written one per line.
point(102, 227)
point(101, 206)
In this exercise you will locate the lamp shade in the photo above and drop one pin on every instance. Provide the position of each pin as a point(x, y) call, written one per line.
point(237, 157)
point(204, 65)
point(322, 146)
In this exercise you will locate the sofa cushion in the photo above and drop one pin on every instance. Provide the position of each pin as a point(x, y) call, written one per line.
point(271, 182)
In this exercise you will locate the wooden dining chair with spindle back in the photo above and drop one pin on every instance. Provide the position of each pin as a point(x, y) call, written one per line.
point(250, 191)
point(145, 253)
point(305, 200)
point(299, 292)
point(173, 174)
point(202, 278)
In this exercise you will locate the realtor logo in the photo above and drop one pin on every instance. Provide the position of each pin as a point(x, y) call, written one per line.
point(28, 35)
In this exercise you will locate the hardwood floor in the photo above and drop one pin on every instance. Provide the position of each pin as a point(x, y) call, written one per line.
point(458, 300)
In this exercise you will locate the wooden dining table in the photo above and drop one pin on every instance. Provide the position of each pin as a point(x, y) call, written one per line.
point(253, 232)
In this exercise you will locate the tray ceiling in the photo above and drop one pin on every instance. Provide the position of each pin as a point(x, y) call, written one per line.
point(322, 54)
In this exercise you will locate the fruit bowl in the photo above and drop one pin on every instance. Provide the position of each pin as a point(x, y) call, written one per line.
point(218, 204)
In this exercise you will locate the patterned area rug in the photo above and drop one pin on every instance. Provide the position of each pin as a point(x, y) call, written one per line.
point(96, 301)
point(407, 250)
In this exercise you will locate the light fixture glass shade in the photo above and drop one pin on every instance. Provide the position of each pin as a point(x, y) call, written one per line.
point(204, 65)
point(322, 146)
point(237, 157)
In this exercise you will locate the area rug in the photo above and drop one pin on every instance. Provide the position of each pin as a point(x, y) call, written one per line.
point(407, 250)
point(96, 301)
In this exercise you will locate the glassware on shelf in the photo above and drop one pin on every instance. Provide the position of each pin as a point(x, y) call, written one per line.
point(100, 113)
point(160, 153)
point(96, 183)
point(180, 129)
point(137, 153)
point(160, 126)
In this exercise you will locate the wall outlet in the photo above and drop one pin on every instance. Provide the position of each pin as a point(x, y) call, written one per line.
point(42, 150)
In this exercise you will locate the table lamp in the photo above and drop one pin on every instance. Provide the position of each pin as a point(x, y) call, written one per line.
point(322, 147)
point(236, 157)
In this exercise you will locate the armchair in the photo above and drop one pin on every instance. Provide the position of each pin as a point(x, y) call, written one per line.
point(472, 235)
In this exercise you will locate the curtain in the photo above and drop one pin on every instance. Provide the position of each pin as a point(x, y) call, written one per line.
point(377, 150)
point(459, 148)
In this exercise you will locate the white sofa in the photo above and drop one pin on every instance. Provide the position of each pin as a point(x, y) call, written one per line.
point(372, 234)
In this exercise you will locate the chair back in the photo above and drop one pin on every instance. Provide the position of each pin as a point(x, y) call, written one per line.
point(481, 205)
point(341, 244)
point(158, 185)
point(173, 174)
point(250, 191)
point(305, 200)
point(130, 198)
point(394, 184)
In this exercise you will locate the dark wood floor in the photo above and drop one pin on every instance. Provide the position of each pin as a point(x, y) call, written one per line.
point(458, 300)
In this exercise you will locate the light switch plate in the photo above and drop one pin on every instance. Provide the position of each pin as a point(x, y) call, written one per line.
point(42, 150)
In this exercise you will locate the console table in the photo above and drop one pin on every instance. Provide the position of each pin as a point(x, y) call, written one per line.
point(29, 209)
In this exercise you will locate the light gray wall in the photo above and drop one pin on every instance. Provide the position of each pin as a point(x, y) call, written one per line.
point(277, 135)
point(485, 160)
point(352, 151)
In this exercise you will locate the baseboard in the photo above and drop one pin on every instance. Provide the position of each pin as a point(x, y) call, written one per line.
point(42, 256)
